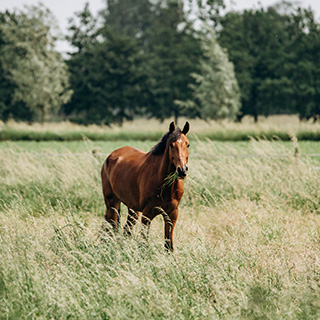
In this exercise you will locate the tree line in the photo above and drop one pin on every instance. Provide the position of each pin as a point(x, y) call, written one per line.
point(164, 58)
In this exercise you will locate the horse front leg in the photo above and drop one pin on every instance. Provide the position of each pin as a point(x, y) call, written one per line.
point(169, 223)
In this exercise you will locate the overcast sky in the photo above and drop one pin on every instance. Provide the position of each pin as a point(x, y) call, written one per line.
point(64, 9)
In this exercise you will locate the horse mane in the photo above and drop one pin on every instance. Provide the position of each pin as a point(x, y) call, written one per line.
point(160, 147)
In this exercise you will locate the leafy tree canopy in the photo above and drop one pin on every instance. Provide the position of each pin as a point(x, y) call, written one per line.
point(30, 61)
point(274, 51)
point(216, 92)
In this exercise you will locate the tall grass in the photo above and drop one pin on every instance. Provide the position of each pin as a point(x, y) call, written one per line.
point(247, 240)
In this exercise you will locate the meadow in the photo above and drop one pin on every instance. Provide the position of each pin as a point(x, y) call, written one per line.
point(247, 240)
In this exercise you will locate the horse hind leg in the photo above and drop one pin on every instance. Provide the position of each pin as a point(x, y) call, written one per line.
point(132, 219)
point(148, 215)
point(112, 202)
point(113, 212)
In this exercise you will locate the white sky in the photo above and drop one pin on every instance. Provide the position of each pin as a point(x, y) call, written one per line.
point(64, 9)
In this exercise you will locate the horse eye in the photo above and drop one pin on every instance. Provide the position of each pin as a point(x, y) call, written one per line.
point(188, 145)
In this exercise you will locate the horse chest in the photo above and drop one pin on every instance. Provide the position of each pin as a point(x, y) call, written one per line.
point(172, 194)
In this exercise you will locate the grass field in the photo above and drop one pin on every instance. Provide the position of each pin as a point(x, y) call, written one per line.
point(247, 241)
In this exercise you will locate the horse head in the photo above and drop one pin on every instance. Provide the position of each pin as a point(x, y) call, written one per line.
point(179, 148)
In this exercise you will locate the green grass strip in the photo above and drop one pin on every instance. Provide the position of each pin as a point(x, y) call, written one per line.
point(228, 135)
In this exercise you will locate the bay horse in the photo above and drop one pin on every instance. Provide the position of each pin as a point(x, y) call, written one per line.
point(138, 179)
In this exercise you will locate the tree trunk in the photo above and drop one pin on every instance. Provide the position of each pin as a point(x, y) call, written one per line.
point(239, 118)
point(176, 116)
point(42, 115)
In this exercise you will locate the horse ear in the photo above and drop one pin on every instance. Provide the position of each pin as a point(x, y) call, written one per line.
point(186, 128)
point(172, 127)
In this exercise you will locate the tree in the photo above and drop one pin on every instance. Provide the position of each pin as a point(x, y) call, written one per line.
point(174, 55)
point(254, 43)
point(257, 45)
point(275, 52)
point(107, 73)
point(304, 36)
point(38, 72)
point(82, 30)
point(8, 107)
point(82, 37)
point(216, 93)
point(139, 61)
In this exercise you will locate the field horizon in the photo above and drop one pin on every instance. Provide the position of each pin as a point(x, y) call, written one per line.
point(282, 127)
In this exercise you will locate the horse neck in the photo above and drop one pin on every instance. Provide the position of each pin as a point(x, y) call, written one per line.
point(164, 165)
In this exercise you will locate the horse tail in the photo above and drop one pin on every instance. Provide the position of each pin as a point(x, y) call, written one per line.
point(105, 179)
point(104, 169)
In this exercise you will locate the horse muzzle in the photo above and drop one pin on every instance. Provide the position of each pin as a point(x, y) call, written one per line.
point(182, 173)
